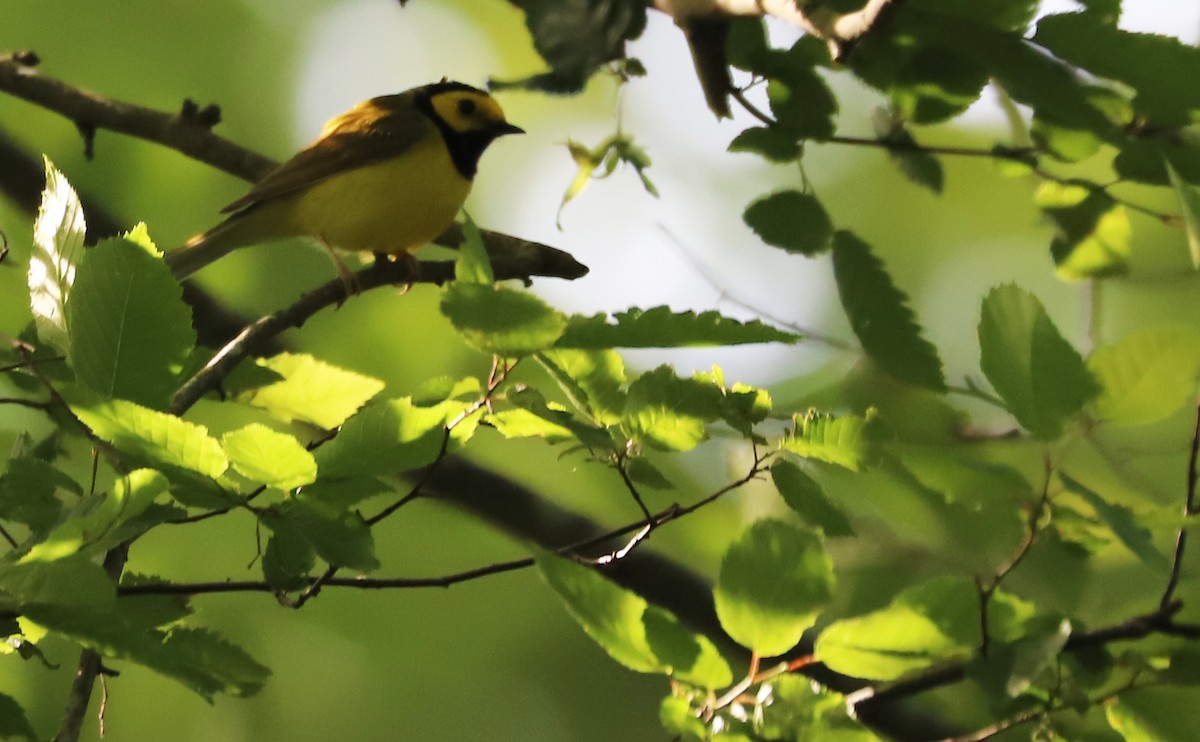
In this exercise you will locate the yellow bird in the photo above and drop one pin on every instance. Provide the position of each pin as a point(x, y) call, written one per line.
point(386, 177)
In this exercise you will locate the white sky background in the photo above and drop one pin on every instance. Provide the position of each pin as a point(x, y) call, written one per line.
point(643, 251)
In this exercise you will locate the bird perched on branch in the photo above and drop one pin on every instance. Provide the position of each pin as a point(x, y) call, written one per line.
point(386, 177)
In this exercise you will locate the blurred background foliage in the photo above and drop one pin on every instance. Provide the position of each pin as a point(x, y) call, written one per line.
point(499, 658)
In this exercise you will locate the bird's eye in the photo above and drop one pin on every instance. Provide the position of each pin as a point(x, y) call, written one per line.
point(466, 106)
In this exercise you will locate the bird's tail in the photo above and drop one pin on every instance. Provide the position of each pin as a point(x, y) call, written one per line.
point(250, 227)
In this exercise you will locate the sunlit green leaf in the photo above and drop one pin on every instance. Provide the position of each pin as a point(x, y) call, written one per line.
point(1146, 375)
point(57, 249)
point(593, 379)
point(383, 439)
point(1037, 373)
point(670, 413)
point(130, 330)
point(312, 391)
point(803, 495)
point(775, 579)
point(502, 321)
point(268, 457)
point(150, 437)
point(845, 441)
point(659, 327)
point(1093, 230)
point(130, 497)
point(923, 625)
point(794, 221)
point(881, 317)
point(640, 636)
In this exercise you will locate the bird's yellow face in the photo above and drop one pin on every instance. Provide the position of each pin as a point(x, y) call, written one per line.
point(469, 111)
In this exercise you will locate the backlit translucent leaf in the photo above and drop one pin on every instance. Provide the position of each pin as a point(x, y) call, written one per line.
point(385, 438)
point(501, 321)
point(805, 496)
point(640, 636)
point(880, 315)
point(1037, 373)
point(1146, 375)
point(794, 221)
point(265, 456)
point(1093, 230)
point(535, 416)
point(1189, 206)
point(130, 329)
point(593, 379)
point(57, 249)
point(1155, 715)
point(95, 529)
point(845, 441)
point(312, 391)
point(925, 624)
point(775, 579)
point(151, 437)
point(659, 327)
point(670, 413)
point(1124, 523)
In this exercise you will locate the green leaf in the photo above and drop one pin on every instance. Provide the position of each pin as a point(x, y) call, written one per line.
point(659, 327)
point(288, 558)
point(13, 723)
point(535, 417)
point(1124, 523)
point(57, 249)
point(1160, 69)
point(1037, 373)
point(209, 664)
point(805, 496)
point(1093, 230)
point(265, 456)
point(95, 528)
point(772, 144)
point(27, 492)
point(1189, 205)
point(131, 332)
point(640, 636)
point(473, 264)
point(1006, 15)
point(775, 579)
point(384, 439)
point(670, 413)
point(312, 391)
point(794, 221)
point(803, 104)
point(150, 437)
point(880, 316)
point(845, 441)
point(577, 37)
point(501, 321)
point(341, 538)
point(593, 379)
point(926, 624)
point(1146, 375)
point(1010, 668)
point(919, 166)
point(1155, 715)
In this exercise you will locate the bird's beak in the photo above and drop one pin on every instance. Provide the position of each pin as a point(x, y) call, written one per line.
point(507, 128)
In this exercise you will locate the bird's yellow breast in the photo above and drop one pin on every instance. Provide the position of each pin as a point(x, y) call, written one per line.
point(388, 207)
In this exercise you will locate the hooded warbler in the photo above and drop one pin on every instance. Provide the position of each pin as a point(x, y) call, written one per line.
point(387, 176)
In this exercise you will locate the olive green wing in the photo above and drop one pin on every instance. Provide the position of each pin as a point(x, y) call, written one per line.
point(376, 130)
